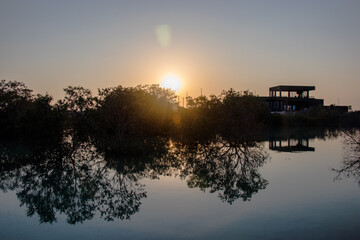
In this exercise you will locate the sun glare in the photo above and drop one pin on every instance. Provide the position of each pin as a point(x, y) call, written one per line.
point(171, 81)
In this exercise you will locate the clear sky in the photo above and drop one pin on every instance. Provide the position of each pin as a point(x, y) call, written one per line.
point(211, 45)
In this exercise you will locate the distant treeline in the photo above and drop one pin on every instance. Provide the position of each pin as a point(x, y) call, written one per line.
point(119, 117)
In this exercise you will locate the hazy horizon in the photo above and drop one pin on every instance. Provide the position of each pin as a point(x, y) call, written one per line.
point(210, 45)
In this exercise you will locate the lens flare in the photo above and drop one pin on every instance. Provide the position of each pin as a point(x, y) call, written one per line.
point(163, 33)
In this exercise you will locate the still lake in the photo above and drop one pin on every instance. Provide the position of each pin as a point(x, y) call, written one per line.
point(284, 187)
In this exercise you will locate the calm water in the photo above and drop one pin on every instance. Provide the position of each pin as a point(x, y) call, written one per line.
point(219, 190)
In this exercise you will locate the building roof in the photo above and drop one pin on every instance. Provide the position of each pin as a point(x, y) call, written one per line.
point(292, 88)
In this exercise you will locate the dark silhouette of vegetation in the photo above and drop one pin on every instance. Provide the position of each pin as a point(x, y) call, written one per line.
point(27, 117)
point(116, 116)
point(317, 117)
point(125, 115)
point(232, 114)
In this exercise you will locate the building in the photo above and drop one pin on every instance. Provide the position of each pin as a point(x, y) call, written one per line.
point(291, 98)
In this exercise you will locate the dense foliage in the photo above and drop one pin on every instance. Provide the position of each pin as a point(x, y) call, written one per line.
point(126, 119)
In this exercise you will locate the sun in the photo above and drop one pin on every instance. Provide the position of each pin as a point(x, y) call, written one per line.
point(171, 81)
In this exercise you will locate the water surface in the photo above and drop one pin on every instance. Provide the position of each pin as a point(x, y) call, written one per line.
point(222, 189)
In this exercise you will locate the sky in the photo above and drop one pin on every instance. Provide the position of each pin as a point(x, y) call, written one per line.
point(211, 45)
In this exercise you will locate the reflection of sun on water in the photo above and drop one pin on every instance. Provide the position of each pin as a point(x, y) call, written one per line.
point(171, 81)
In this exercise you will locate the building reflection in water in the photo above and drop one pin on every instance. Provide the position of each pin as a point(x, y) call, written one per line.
point(290, 145)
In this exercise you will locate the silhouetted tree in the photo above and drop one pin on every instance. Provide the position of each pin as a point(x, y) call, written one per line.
point(243, 114)
point(14, 98)
point(78, 107)
point(126, 116)
point(40, 121)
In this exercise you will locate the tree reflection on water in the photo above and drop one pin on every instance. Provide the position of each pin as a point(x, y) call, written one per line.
point(229, 168)
point(351, 159)
point(72, 181)
point(80, 181)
